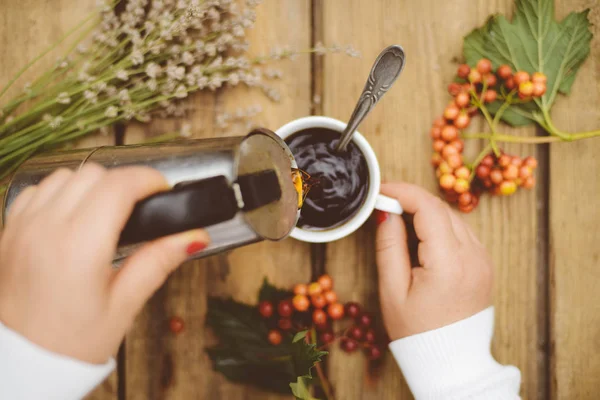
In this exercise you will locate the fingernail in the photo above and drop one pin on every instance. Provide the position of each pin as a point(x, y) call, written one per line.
point(195, 247)
point(381, 217)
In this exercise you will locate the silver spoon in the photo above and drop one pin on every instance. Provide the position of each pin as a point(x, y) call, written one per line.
point(385, 71)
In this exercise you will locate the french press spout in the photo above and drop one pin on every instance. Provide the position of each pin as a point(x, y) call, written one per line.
point(239, 188)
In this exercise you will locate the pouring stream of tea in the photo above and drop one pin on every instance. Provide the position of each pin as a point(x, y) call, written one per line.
point(386, 69)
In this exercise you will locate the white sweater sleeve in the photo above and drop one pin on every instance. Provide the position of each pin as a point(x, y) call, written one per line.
point(455, 362)
point(30, 372)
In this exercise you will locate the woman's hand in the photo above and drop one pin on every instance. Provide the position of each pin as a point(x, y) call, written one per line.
point(454, 278)
point(57, 285)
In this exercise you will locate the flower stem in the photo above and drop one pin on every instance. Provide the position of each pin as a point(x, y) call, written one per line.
point(480, 157)
point(324, 382)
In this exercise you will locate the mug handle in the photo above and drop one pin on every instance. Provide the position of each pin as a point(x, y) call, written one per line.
point(387, 204)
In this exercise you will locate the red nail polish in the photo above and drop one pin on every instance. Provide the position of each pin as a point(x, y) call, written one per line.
point(195, 247)
point(381, 216)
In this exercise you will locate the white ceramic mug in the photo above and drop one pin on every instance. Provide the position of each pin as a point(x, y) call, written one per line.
point(374, 200)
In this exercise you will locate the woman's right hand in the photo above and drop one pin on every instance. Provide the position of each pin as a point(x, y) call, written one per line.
point(454, 278)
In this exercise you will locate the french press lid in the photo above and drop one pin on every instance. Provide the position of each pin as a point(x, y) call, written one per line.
point(261, 189)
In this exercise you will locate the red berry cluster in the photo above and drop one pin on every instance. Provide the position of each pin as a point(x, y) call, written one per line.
point(316, 305)
point(480, 85)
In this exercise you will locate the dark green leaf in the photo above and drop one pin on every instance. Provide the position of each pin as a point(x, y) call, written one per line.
point(272, 293)
point(304, 355)
point(512, 115)
point(534, 41)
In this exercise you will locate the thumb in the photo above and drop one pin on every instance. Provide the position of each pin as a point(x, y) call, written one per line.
point(393, 260)
point(149, 267)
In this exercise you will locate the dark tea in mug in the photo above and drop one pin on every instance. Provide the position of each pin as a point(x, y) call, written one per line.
point(339, 180)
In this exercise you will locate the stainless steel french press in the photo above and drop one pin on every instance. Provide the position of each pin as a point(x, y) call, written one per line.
point(239, 188)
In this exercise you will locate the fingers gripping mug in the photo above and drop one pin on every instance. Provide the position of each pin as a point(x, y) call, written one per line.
point(372, 199)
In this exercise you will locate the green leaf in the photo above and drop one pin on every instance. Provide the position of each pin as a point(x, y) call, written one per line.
point(534, 41)
point(304, 355)
point(300, 389)
point(272, 293)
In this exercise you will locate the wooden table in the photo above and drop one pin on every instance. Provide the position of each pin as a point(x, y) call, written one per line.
point(544, 242)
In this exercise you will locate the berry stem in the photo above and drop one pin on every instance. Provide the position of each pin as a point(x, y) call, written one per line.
point(480, 157)
point(501, 110)
point(514, 139)
point(480, 104)
point(325, 385)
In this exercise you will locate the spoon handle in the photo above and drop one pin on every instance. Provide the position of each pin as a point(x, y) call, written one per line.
point(385, 71)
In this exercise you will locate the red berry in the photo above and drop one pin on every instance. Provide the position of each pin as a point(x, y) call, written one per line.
point(526, 89)
point(462, 172)
point(335, 311)
point(496, 176)
point(176, 324)
point(318, 301)
point(285, 308)
point(516, 161)
point(484, 66)
point(530, 162)
point(374, 353)
point(449, 133)
point(466, 209)
point(488, 160)
point(326, 282)
point(370, 336)
point(538, 89)
point(482, 171)
point(435, 132)
point(300, 302)
point(504, 71)
point(462, 120)
point(352, 309)
point(364, 320)
point(510, 83)
point(274, 337)
point(449, 150)
point(436, 159)
point(454, 161)
point(447, 181)
point(528, 182)
point(461, 185)
point(319, 317)
point(331, 296)
point(459, 144)
point(539, 77)
point(454, 88)
point(490, 80)
point(463, 71)
point(465, 199)
point(520, 77)
point(438, 145)
point(265, 308)
point(475, 76)
point(326, 337)
point(525, 172)
point(451, 111)
point(355, 332)
point(285, 324)
point(504, 160)
point(475, 201)
point(507, 188)
point(444, 168)
point(348, 345)
point(300, 288)
point(510, 172)
point(439, 122)
point(314, 288)
point(468, 87)
point(451, 197)
point(490, 96)
point(462, 99)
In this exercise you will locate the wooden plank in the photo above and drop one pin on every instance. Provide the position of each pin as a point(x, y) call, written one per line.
point(431, 33)
point(574, 220)
point(158, 363)
point(26, 29)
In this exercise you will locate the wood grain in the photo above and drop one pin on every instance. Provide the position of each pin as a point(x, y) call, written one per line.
point(574, 216)
point(26, 29)
point(160, 365)
point(431, 33)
